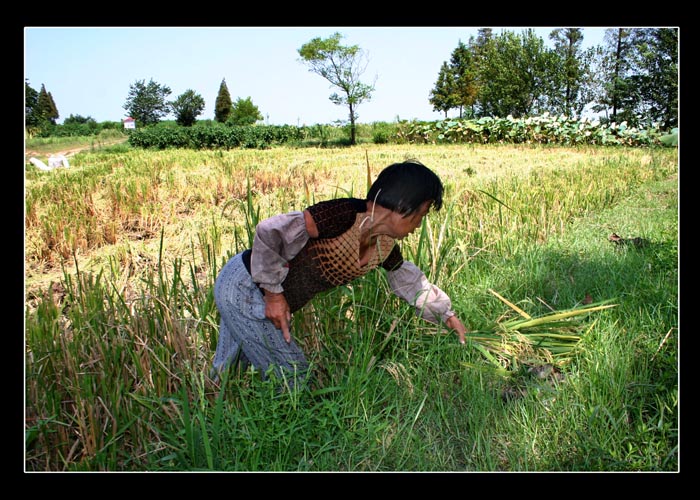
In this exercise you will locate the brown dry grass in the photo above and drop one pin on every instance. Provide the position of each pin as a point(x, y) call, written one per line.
point(115, 207)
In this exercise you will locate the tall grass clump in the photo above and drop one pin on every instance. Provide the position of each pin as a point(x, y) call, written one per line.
point(571, 361)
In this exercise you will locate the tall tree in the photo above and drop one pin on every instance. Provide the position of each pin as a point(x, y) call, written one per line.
point(342, 66)
point(483, 37)
point(589, 77)
point(54, 110)
point(442, 96)
point(639, 71)
point(514, 73)
point(31, 98)
point(479, 48)
point(46, 107)
point(538, 65)
point(464, 71)
point(656, 78)
point(146, 102)
point(244, 112)
point(187, 107)
point(617, 98)
point(223, 105)
point(570, 74)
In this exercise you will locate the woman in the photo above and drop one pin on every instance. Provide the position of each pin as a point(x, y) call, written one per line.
point(299, 254)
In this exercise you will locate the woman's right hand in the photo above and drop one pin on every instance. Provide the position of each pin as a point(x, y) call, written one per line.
point(456, 324)
point(277, 311)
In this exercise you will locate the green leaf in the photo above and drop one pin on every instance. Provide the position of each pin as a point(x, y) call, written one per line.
point(670, 139)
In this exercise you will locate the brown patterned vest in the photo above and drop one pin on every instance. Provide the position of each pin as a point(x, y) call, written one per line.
point(332, 259)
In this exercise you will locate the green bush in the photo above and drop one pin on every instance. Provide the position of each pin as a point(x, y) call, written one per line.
point(545, 129)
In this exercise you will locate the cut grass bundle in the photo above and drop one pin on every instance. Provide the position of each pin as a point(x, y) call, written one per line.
point(547, 340)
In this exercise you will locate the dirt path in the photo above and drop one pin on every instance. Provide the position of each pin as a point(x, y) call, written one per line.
point(69, 152)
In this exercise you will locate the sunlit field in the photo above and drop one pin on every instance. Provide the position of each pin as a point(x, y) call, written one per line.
point(121, 253)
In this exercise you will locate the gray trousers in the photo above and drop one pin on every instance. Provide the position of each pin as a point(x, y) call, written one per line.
point(245, 334)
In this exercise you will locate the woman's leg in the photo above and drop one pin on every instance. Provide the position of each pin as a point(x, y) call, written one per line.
point(244, 327)
point(228, 352)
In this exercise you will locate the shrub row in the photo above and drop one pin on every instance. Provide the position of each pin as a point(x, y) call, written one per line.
point(215, 137)
point(545, 129)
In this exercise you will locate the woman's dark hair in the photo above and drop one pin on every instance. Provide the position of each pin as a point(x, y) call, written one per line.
point(404, 187)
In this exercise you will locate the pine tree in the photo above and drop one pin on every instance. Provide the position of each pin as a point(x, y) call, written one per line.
point(54, 110)
point(45, 107)
point(224, 105)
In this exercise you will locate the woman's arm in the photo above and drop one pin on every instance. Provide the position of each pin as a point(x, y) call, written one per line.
point(277, 240)
point(431, 303)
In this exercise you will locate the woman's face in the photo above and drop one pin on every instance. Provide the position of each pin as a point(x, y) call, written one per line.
point(403, 226)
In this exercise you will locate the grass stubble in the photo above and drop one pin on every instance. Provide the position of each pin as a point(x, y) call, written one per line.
point(122, 249)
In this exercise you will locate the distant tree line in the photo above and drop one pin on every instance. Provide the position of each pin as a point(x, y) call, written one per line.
point(41, 113)
point(146, 103)
point(39, 107)
point(632, 77)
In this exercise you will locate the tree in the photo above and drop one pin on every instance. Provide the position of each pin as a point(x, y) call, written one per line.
point(146, 102)
point(479, 49)
point(79, 120)
point(616, 97)
point(223, 105)
point(502, 88)
point(53, 113)
point(573, 65)
point(637, 76)
point(537, 66)
point(54, 110)
point(31, 99)
point(187, 107)
point(80, 125)
point(514, 75)
point(484, 36)
point(464, 71)
point(656, 78)
point(443, 97)
point(342, 66)
point(46, 107)
point(244, 112)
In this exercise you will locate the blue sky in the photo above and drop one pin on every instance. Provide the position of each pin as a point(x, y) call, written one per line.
point(89, 70)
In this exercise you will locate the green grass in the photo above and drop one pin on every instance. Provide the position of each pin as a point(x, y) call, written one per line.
point(117, 355)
